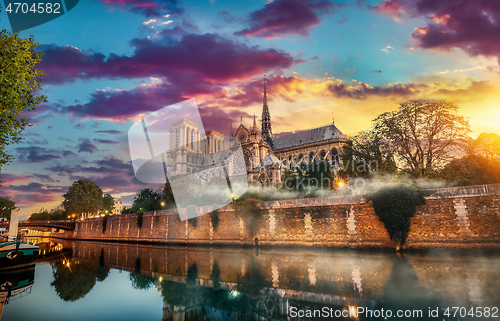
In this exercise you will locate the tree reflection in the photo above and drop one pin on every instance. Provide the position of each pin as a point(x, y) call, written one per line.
point(73, 280)
point(139, 281)
point(403, 290)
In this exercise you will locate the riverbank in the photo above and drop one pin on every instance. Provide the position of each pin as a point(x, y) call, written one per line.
point(461, 217)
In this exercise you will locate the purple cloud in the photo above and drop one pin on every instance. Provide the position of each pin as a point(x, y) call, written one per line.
point(362, 91)
point(209, 57)
point(87, 146)
point(148, 8)
point(466, 24)
point(287, 17)
point(35, 154)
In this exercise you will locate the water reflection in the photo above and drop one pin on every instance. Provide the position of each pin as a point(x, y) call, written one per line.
point(237, 284)
point(15, 284)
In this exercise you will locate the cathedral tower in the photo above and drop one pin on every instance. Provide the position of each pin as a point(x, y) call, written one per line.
point(267, 133)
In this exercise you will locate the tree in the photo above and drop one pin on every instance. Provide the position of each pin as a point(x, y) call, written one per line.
point(146, 200)
point(83, 198)
point(168, 195)
point(423, 135)
point(309, 178)
point(395, 204)
point(364, 154)
point(19, 83)
point(108, 203)
point(6, 206)
point(481, 164)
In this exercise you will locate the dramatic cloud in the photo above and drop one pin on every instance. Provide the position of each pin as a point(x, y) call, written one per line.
point(466, 24)
point(105, 141)
point(287, 17)
point(113, 132)
point(35, 154)
point(122, 105)
point(87, 146)
point(148, 8)
point(112, 175)
point(209, 57)
point(362, 91)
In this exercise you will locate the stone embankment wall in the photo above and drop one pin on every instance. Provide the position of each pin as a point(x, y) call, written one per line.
point(465, 217)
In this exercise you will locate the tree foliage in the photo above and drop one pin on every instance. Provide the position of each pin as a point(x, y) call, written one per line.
point(168, 195)
point(145, 200)
point(83, 197)
point(364, 154)
point(108, 203)
point(19, 85)
point(395, 204)
point(73, 282)
point(423, 135)
point(481, 164)
point(6, 206)
point(46, 216)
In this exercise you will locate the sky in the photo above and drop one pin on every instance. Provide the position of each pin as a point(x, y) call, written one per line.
point(108, 63)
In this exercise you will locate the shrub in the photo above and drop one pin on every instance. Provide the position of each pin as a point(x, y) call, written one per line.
point(395, 204)
point(191, 212)
point(214, 217)
point(139, 219)
point(250, 211)
point(104, 221)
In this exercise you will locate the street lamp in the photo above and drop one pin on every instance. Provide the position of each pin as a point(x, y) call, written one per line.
point(162, 204)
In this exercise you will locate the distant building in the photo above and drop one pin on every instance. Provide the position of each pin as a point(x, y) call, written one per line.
point(118, 207)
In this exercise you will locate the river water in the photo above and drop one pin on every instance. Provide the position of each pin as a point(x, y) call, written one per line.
point(109, 281)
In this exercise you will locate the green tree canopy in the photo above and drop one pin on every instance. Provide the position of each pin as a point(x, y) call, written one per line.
point(108, 203)
point(73, 282)
point(146, 200)
point(6, 206)
point(19, 85)
point(395, 204)
point(83, 197)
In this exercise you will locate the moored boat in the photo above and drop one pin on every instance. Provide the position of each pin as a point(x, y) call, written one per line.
point(14, 253)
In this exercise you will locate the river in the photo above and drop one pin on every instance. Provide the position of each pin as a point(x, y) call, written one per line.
point(76, 280)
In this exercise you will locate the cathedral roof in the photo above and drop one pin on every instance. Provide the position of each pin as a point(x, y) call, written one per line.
point(308, 136)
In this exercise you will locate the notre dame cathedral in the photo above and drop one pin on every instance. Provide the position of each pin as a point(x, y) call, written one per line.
point(266, 156)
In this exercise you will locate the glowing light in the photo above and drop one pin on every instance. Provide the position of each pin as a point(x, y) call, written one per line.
point(353, 311)
point(162, 203)
point(340, 183)
point(160, 279)
point(234, 293)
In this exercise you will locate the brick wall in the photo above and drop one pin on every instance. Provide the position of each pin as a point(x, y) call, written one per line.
point(470, 219)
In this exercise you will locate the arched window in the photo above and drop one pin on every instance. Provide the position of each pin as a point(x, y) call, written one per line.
point(187, 137)
point(218, 146)
point(335, 157)
point(322, 154)
point(192, 139)
point(311, 156)
point(176, 138)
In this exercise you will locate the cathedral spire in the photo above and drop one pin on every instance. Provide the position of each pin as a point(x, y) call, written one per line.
point(254, 129)
point(267, 133)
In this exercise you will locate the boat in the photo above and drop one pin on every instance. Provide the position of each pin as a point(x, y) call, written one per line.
point(15, 284)
point(15, 253)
